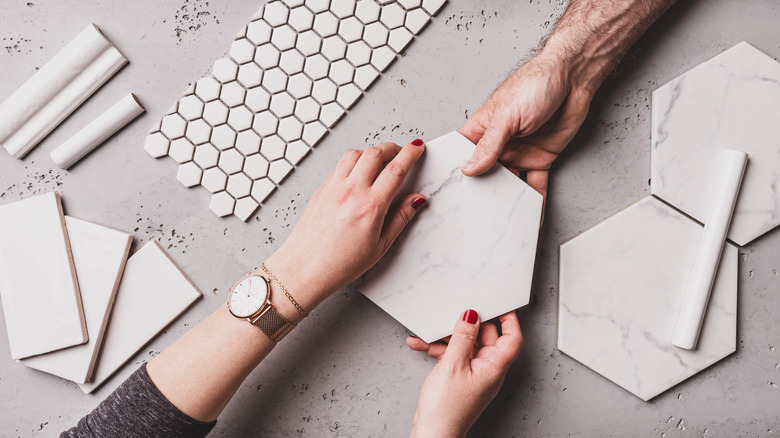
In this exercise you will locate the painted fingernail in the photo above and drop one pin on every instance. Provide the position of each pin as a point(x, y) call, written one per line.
point(417, 142)
point(470, 316)
point(418, 203)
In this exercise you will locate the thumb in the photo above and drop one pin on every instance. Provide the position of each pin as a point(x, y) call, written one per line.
point(461, 345)
point(490, 145)
point(403, 214)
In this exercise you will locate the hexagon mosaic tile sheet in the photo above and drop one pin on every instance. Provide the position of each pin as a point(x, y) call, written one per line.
point(290, 75)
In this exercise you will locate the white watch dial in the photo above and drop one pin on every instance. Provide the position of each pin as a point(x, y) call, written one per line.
point(248, 296)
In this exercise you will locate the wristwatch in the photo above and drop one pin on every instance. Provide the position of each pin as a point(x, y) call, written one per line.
point(250, 299)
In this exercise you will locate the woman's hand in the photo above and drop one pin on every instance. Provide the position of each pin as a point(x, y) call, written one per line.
point(468, 376)
point(350, 222)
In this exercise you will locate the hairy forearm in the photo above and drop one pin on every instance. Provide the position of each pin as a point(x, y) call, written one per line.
point(593, 35)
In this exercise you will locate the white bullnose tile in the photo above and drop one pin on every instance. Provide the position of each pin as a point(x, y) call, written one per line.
point(621, 287)
point(441, 267)
point(308, 59)
point(729, 102)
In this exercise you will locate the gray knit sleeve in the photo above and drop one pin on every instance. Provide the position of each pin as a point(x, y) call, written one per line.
point(138, 409)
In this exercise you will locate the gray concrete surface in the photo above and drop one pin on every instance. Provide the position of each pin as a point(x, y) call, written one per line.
point(346, 371)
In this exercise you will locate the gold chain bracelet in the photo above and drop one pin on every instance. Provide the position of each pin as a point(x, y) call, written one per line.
point(281, 286)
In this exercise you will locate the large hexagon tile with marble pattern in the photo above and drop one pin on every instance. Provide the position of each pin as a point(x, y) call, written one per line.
point(730, 101)
point(621, 287)
point(292, 72)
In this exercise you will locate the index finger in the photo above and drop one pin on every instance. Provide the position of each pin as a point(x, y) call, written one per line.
point(504, 352)
point(393, 175)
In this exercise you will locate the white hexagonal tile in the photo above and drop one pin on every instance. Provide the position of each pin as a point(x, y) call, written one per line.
point(316, 66)
point(278, 170)
point(342, 8)
point(222, 204)
point(181, 150)
point(274, 80)
point(265, 123)
point(239, 185)
point(296, 151)
point(365, 75)
point(290, 129)
point(432, 6)
point(190, 107)
point(382, 57)
point(189, 174)
point(225, 70)
point(299, 85)
point(267, 56)
point(334, 48)
point(240, 118)
point(206, 155)
point(341, 72)
point(292, 4)
point(393, 15)
point(272, 147)
point(399, 39)
point(282, 104)
point(376, 34)
point(257, 99)
point(348, 94)
point(307, 109)
point(351, 29)
point(326, 24)
point(231, 161)
point(331, 113)
point(214, 180)
point(617, 309)
point(259, 32)
point(506, 262)
point(313, 132)
point(232, 94)
point(250, 75)
point(208, 89)
point(301, 19)
point(416, 20)
point(242, 51)
point(215, 113)
point(245, 208)
point(255, 166)
point(291, 62)
point(410, 4)
point(283, 37)
point(367, 11)
point(308, 43)
point(248, 143)
point(324, 91)
point(173, 126)
point(198, 131)
point(275, 13)
point(223, 137)
point(156, 145)
point(317, 6)
point(729, 101)
point(262, 188)
point(358, 53)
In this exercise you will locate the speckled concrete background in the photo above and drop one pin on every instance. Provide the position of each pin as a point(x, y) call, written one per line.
point(346, 371)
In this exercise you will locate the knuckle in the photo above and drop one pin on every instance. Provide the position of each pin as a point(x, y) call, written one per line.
point(350, 153)
point(373, 152)
point(395, 169)
point(464, 333)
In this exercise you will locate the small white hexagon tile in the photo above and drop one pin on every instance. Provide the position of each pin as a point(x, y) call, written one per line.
point(730, 101)
point(290, 75)
point(622, 283)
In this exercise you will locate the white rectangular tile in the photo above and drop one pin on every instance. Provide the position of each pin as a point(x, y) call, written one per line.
point(153, 292)
point(38, 283)
point(99, 254)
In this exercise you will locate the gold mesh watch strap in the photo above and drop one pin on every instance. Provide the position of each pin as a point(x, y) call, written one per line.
point(274, 325)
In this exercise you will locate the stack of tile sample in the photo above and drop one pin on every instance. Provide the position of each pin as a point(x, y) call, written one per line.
point(60, 278)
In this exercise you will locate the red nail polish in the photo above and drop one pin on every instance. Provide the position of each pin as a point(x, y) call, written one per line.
point(470, 316)
point(418, 203)
point(417, 142)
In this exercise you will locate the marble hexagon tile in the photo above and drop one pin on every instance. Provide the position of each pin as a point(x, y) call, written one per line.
point(621, 287)
point(292, 72)
point(730, 101)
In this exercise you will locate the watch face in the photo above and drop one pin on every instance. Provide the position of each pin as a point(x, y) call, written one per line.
point(248, 296)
